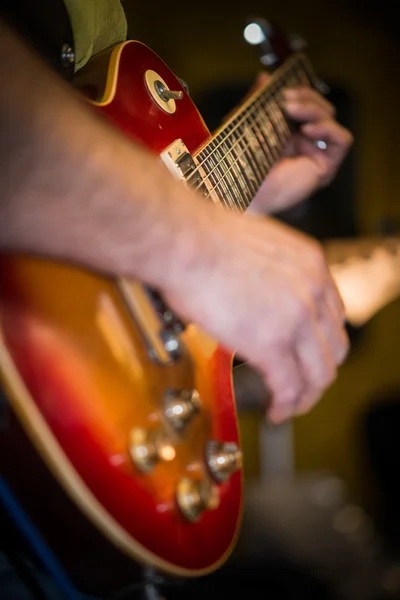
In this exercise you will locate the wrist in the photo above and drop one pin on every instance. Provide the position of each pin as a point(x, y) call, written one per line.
point(184, 247)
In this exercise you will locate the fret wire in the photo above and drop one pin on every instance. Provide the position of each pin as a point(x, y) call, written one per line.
point(271, 143)
point(274, 117)
point(262, 98)
point(218, 183)
point(264, 145)
point(236, 143)
point(268, 89)
point(212, 177)
point(274, 142)
point(233, 185)
point(263, 113)
point(247, 169)
point(236, 161)
point(218, 164)
point(279, 115)
point(246, 193)
point(233, 130)
point(263, 116)
point(260, 165)
point(260, 168)
point(214, 169)
point(280, 121)
point(251, 107)
point(225, 158)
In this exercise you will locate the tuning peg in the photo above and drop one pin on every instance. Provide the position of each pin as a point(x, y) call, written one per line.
point(257, 33)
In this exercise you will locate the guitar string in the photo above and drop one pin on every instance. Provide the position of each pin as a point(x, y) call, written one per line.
point(246, 117)
point(276, 122)
point(264, 91)
point(237, 141)
point(271, 146)
point(230, 133)
point(235, 161)
point(262, 96)
point(240, 138)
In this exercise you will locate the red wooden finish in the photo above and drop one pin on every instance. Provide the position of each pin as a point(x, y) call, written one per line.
point(89, 399)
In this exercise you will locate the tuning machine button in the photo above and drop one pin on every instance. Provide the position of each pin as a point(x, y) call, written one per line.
point(223, 459)
point(181, 406)
point(196, 496)
point(147, 447)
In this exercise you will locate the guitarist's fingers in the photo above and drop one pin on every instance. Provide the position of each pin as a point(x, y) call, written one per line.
point(285, 383)
point(306, 95)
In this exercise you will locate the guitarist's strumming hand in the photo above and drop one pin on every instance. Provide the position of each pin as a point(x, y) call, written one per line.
point(305, 167)
point(265, 291)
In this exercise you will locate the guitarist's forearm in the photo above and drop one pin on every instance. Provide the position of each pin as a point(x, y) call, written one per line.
point(74, 188)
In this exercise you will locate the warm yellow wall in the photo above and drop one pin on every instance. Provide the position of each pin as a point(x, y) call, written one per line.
point(202, 43)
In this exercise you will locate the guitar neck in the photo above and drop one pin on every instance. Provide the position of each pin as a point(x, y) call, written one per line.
point(235, 162)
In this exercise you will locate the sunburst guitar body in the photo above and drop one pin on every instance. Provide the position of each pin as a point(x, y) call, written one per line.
point(130, 413)
point(118, 432)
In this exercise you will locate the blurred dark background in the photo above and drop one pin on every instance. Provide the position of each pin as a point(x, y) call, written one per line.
point(353, 434)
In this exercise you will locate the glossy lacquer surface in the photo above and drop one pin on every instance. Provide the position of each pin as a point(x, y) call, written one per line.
point(90, 379)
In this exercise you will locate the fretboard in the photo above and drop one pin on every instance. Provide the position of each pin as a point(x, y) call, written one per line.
point(235, 162)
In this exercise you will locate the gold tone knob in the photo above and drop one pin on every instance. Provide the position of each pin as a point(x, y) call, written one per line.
point(181, 406)
point(196, 496)
point(223, 459)
point(148, 447)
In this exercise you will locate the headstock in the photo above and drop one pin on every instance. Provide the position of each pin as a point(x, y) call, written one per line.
point(275, 46)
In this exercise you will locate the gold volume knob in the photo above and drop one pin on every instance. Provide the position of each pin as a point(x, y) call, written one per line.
point(195, 496)
point(181, 406)
point(148, 447)
point(223, 459)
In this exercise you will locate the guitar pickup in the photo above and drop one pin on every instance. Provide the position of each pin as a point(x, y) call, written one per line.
point(168, 318)
point(158, 326)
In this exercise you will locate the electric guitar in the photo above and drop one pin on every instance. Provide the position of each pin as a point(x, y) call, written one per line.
point(121, 418)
